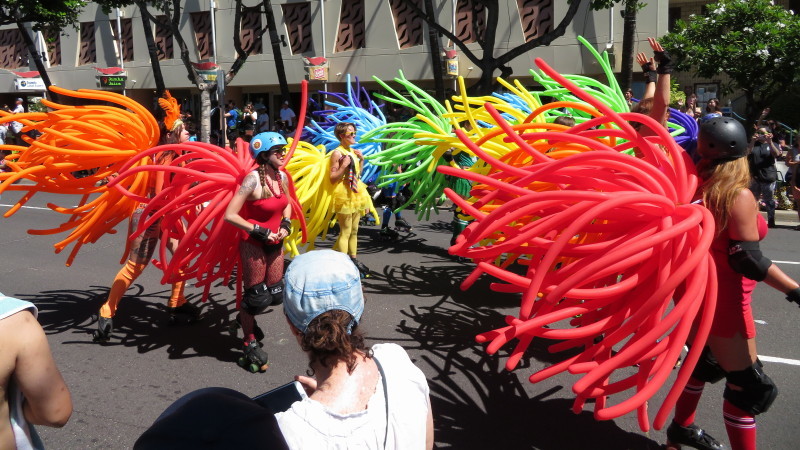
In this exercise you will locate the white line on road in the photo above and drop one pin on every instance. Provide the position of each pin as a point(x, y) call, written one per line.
point(786, 262)
point(792, 362)
point(29, 207)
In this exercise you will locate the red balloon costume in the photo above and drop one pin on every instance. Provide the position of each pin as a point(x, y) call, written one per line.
point(612, 243)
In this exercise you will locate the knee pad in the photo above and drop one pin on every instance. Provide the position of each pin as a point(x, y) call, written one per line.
point(256, 299)
point(276, 293)
point(757, 392)
point(708, 369)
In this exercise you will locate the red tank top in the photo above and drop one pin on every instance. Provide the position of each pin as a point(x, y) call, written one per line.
point(266, 212)
point(733, 285)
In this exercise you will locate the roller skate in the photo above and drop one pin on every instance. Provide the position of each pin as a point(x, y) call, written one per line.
point(388, 234)
point(363, 270)
point(103, 331)
point(185, 314)
point(254, 359)
point(367, 220)
point(691, 436)
point(402, 225)
point(234, 327)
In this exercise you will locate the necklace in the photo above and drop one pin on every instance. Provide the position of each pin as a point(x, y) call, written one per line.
point(268, 183)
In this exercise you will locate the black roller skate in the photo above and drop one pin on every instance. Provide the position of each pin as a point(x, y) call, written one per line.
point(254, 358)
point(367, 220)
point(364, 270)
point(691, 436)
point(103, 331)
point(388, 234)
point(234, 327)
point(185, 314)
point(402, 225)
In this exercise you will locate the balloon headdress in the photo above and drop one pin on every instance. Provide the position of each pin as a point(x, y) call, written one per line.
point(172, 111)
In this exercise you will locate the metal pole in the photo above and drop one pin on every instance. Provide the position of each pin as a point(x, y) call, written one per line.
point(453, 44)
point(213, 30)
point(324, 50)
point(119, 40)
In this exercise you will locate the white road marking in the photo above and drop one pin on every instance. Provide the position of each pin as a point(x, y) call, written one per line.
point(760, 322)
point(786, 262)
point(28, 207)
point(791, 362)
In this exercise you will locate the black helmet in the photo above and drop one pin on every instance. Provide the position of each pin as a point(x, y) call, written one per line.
point(721, 138)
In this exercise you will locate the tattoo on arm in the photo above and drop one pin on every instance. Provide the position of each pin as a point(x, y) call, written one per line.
point(249, 184)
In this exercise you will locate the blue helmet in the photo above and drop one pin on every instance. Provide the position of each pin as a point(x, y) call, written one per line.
point(264, 142)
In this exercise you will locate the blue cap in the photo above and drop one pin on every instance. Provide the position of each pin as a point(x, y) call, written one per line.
point(320, 281)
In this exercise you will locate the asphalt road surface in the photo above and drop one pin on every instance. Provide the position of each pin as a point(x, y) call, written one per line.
point(413, 299)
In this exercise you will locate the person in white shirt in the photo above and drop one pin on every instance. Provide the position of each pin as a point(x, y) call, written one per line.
point(14, 126)
point(287, 115)
point(367, 398)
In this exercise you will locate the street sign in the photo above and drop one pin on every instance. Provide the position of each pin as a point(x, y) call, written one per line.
point(29, 84)
point(113, 81)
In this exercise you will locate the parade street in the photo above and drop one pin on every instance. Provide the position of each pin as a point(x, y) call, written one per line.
point(413, 299)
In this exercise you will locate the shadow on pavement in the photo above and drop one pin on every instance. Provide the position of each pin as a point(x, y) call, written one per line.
point(141, 322)
point(478, 404)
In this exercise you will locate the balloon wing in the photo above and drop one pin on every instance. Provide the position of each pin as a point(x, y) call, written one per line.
point(613, 250)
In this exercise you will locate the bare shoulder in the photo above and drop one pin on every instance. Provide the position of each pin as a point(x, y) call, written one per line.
point(745, 202)
point(14, 330)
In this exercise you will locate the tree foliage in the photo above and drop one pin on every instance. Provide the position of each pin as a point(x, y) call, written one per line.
point(754, 42)
point(51, 14)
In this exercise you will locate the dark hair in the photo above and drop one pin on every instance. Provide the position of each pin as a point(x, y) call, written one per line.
point(643, 107)
point(326, 340)
point(341, 127)
point(565, 120)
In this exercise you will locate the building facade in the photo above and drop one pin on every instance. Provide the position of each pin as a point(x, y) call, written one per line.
point(360, 38)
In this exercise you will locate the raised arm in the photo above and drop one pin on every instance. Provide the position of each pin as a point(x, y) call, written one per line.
point(660, 109)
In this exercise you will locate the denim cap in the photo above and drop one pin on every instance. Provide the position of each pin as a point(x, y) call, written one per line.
point(320, 281)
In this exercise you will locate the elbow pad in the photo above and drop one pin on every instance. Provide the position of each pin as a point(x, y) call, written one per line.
point(745, 258)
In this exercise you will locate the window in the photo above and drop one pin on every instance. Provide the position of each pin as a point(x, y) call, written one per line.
point(202, 34)
point(52, 39)
point(297, 17)
point(163, 38)
point(536, 18)
point(127, 38)
point(673, 15)
point(88, 50)
point(251, 29)
point(351, 32)
point(13, 51)
point(470, 21)
point(407, 24)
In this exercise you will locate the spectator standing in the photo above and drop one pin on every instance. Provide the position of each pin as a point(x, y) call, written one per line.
point(793, 161)
point(262, 122)
point(14, 127)
point(231, 120)
point(361, 397)
point(761, 157)
point(249, 117)
point(33, 390)
point(287, 116)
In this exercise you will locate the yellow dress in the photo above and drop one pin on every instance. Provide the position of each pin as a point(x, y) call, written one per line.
point(345, 201)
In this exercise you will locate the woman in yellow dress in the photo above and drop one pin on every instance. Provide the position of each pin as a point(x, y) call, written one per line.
point(350, 197)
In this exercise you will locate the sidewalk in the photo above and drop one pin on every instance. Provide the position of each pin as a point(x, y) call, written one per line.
point(786, 218)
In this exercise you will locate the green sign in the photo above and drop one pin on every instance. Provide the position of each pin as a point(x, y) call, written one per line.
point(113, 81)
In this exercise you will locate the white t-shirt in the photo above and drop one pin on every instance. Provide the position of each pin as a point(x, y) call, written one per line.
point(287, 115)
point(15, 126)
point(309, 424)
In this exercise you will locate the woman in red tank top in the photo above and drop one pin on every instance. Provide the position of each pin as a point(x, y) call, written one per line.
point(260, 208)
point(731, 351)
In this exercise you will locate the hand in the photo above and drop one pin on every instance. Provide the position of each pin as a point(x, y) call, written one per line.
point(344, 161)
point(309, 384)
point(272, 238)
point(359, 155)
point(260, 233)
point(661, 56)
point(282, 234)
point(647, 65)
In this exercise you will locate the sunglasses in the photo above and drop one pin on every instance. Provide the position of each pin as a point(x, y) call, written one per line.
point(280, 152)
point(350, 134)
point(762, 133)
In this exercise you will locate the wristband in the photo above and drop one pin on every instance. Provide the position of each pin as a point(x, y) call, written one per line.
point(794, 296)
point(651, 76)
point(286, 224)
point(664, 62)
point(259, 233)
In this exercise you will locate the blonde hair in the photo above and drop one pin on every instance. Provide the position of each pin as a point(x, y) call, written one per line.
point(722, 181)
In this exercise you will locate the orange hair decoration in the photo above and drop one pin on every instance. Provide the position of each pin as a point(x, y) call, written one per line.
point(172, 111)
